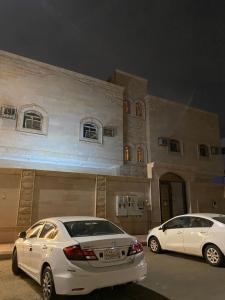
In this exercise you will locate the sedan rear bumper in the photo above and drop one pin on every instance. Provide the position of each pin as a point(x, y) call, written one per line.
point(79, 282)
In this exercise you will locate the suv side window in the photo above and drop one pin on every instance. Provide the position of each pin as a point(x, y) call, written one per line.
point(200, 222)
point(181, 222)
point(34, 230)
point(49, 231)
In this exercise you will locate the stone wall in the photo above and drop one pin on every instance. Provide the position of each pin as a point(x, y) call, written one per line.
point(30, 195)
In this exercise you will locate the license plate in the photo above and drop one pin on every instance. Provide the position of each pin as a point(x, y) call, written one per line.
point(111, 254)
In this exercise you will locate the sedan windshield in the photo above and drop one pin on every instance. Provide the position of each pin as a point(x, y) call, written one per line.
point(220, 219)
point(91, 228)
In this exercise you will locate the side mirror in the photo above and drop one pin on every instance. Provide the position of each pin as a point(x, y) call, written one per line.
point(22, 235)
point(163, 228)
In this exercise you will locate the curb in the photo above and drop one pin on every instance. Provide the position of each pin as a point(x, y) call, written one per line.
point(5, 256)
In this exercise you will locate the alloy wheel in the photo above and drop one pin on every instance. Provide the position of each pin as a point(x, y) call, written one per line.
point(47, 285)
point(154, 245)
point(212, 255)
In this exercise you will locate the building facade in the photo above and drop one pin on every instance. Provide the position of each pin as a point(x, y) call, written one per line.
point(72, 144)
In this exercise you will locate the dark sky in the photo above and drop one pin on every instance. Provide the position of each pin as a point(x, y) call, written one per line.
point(178, 45)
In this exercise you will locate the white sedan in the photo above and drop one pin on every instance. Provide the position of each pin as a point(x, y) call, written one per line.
point(195, 234)
point(76, 255)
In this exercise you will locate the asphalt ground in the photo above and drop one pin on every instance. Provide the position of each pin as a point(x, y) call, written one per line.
point(170, 276)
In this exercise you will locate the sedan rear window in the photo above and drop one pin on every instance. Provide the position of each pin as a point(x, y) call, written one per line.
point(91, 228)
point(220, 219)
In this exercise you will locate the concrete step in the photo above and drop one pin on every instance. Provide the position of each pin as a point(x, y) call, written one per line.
point(6, 251)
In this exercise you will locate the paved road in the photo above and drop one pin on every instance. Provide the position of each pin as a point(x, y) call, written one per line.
point(171, 276)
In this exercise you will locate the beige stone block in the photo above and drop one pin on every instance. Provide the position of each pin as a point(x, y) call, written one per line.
point(25, 211)
point(27, 185)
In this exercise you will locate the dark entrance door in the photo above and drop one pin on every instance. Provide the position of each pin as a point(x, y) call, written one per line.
point(172, 196)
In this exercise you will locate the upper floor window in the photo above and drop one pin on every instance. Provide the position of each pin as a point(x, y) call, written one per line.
point(127, 155)
point(140, 154)
point(91, 130)
point(203, 150)
point(174, 145)
point(126, 106)
point(32, 119)
point(139, 109)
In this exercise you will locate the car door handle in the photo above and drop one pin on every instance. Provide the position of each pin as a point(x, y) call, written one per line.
point(179, 232)
point(44, 247)
point(202, 231)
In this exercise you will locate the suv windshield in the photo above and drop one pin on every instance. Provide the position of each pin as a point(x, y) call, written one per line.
point(220, 219)
point(91, 228)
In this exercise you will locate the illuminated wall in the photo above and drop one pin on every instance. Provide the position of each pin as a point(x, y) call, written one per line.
point(64, 99)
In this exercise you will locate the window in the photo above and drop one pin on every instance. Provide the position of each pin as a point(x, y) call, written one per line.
point(174, 146)
point(203, 150)
point(91, 228)
point(220, 219)
point(49, 231)
point(34, 230)
point(126, 106)
point(139, 111)
point(140, 154)
point(200, 222)
point(32, 119)
point(127, 155)
point(181, 222)
point(91, 130)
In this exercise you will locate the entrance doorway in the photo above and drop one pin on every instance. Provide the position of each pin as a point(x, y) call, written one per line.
point(172, 196)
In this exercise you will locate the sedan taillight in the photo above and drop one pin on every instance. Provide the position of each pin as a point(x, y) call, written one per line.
point(76, 253)
point(135, 248)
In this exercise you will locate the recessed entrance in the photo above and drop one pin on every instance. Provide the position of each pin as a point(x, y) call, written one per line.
point(172, 196)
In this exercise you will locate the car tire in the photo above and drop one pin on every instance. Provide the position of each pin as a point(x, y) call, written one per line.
point(47, 285)
point(213, 255)
point(15, 269)
point(154, 245)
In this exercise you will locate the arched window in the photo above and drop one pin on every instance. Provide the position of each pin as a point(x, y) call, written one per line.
point(174, 145)
point(91, 130)
point(140, 154)
point(203, 150)
point(127, 154)
point(138, 109)
point(126, 106)
point(32, 120)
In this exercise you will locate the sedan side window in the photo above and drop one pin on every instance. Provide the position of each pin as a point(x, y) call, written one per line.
point(34, 230)
point(182, 222)
point(200, 222)
point(49, 231)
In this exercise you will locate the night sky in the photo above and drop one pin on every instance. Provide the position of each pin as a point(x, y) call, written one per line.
point(178, 45)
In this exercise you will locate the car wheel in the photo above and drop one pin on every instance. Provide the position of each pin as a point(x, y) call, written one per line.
point(47, 284)
point(15, 269)
point(154, 245)
point(213, 255)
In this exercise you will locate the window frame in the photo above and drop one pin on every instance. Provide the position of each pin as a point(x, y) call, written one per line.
point(99, 126)
point(178, 143)
point(36, 110)
point(205, 147)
